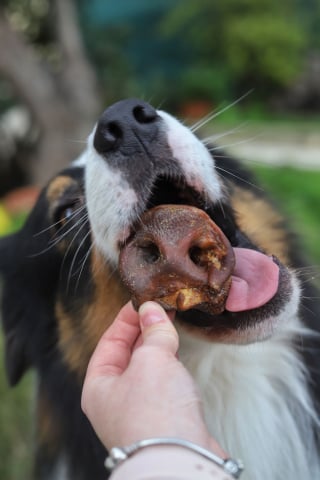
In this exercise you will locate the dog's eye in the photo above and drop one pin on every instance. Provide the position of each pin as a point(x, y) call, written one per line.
point(67, 213)
point(64, 214)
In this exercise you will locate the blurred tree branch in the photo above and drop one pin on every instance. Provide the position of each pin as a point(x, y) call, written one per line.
point(75, 63)
point(65, 103)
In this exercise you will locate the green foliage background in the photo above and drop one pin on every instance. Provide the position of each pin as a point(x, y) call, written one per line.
point(253, 42)
point(207, 49)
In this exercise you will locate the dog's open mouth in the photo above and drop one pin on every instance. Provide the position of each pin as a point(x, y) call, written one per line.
point(174, 191)
point(247, 283)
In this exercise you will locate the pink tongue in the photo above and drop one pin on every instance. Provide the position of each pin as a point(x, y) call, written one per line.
point(254, 281)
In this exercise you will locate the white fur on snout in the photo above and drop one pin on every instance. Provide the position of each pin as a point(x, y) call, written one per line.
point(111, 203)
point(81, 160)
point(193, 157)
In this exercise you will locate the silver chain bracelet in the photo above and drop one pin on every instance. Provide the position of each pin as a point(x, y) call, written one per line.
point(117, 455)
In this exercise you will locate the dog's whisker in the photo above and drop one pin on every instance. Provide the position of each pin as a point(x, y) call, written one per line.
point(200, 123)
point(84, 260)
point(41, 232)
point(228, 172)
point(73, 140)
point(59, 237)
point(76, 253)
point(51, 244)
point(214, 138)
point(215, 114)
point(222, 209)
point(308, 268)
point(239, 142)
point(78, 224)
point(313, 278)
point(307, 274)
point(161, 103)
point(55, 224)
point(307, 309)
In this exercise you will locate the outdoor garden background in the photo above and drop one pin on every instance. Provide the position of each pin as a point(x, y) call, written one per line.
point(62, 62)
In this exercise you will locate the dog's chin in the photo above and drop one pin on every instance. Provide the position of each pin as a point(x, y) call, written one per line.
point(217, 330)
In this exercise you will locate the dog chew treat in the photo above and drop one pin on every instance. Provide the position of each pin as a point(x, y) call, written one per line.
point(179, 258)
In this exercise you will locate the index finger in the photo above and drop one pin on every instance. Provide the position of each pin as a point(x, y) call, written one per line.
point(113, 352)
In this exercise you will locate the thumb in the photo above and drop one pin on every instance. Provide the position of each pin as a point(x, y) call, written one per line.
point(157, 328)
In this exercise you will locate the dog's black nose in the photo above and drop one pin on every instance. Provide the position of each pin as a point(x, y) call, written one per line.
point(123, 123)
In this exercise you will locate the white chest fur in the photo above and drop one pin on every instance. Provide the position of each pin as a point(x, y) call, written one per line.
point(257, 404)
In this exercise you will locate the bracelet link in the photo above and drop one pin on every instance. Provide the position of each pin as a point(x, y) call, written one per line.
point(233, 467)
point(116, 456)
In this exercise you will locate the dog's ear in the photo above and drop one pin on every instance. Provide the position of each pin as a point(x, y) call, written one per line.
point(16, 362)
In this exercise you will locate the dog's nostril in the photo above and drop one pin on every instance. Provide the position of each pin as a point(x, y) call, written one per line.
point(107, 136)
point(114, 131)
point(144, 113)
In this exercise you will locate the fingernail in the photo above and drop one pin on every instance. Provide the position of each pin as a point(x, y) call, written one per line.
point(151, 313)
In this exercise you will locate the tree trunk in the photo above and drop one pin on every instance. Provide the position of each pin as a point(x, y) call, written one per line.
point(63, 105)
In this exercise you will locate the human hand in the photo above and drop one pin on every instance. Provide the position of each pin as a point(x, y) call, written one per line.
point(136, 388)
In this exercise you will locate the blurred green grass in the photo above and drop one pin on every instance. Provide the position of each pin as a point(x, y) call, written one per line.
point(298, 194)
point(257, 115)
point(16, 421)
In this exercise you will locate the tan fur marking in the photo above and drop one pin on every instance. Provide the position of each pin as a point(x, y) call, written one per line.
point(79, 333)
point(57, 187)
point(261, 223)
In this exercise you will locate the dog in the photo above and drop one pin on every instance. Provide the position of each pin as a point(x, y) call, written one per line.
point(257, 364)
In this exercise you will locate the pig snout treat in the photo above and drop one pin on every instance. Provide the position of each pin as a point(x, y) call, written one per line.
point(178, 257)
